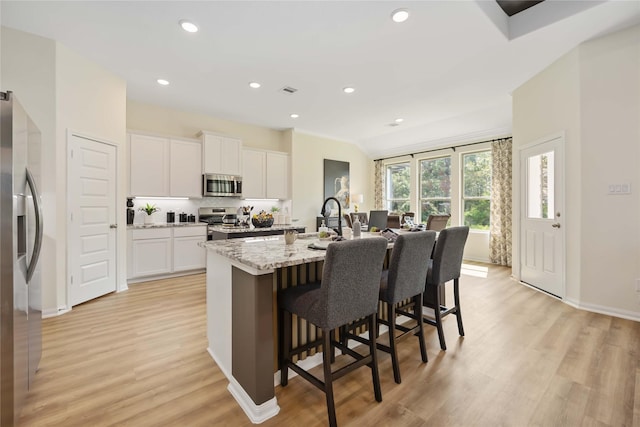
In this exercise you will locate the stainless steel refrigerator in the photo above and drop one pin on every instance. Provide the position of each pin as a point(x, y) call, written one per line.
point(20, 243)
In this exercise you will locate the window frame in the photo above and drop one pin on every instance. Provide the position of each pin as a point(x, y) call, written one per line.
point(463, 197)
point(436, 199)
point(387, 187)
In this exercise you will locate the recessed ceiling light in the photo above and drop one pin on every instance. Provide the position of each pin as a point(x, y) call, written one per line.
point(348, 90)
point(189, 27)
point(163, 82)
point(254, 85)
point(294, 116)
point(399, 120)
point(400, 15)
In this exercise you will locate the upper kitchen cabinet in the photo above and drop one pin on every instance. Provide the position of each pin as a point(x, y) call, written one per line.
point(184, 170)
point(221, 154)
point(164, 167)
point(149, 165)
point(265, 174)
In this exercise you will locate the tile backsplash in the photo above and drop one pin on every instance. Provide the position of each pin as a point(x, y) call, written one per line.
point(190, 206)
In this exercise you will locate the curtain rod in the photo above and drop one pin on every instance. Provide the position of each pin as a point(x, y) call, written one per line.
point(444, 148)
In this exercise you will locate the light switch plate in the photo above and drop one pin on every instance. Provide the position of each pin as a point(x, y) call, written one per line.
point(619, 189)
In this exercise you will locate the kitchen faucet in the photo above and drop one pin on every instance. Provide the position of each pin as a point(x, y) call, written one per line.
point(326, 213)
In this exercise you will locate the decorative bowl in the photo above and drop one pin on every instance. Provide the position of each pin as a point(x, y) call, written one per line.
point(258, 223)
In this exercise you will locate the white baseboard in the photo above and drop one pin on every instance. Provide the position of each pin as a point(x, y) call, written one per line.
point(55, 312)
point(609, 311)
point(594, 308)
point(256, 413)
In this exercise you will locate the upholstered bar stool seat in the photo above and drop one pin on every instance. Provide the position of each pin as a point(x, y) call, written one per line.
point(347, 292)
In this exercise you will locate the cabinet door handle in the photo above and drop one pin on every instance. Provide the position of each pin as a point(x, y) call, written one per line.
point(556, 225)
point(113, 226)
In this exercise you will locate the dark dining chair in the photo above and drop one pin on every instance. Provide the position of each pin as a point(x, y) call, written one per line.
point(444, 267)
point(347, 220)
point(347, 292)
point(378, 219)
point(437, 222)
point(393, 221)
point(362, 217)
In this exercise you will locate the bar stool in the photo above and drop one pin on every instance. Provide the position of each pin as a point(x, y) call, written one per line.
point(401, 288)
point(446, 266)
point(347, 292)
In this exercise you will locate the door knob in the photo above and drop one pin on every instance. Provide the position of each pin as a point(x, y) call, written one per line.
point(113, 226)
point(556, 225)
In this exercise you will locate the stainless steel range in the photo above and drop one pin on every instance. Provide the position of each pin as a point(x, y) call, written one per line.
point(216, 217)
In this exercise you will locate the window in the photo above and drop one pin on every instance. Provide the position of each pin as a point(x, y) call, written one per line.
point(476, 189)
point(435, 187)
point(398, 185)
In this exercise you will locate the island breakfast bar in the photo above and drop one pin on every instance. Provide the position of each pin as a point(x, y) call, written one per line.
point(243, 278)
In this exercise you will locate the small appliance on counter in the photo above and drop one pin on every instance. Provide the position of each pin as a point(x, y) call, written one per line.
point(191, 218)
point(130, 212)
point(183, 217)
point(171, 217)
point(230, 220)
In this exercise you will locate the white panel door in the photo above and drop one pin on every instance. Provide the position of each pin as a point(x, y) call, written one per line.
point(542, 232)
point(92, 219)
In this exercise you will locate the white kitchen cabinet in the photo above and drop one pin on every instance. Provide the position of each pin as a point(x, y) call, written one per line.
point(164, 166)
point(265, 174)
point(151, 252)
point(187, 255)
point(277, 175)
point(162, 251)
point(149, 165)
point(185, 169)
point(221, 154)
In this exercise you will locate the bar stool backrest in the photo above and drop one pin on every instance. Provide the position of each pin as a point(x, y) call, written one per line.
point(447, 256)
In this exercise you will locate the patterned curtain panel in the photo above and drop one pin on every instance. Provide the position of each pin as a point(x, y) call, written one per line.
point(501, 212)
point(378, 187)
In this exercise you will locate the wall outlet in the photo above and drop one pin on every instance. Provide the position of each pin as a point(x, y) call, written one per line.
point(623, 188)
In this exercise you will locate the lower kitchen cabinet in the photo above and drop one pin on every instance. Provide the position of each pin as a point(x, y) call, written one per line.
point(164, 251)
point(187, 255)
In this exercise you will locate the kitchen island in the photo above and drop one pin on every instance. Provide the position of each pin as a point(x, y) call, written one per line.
point(243, 279)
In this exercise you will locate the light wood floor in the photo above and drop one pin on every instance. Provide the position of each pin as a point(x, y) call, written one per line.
point(139, 358)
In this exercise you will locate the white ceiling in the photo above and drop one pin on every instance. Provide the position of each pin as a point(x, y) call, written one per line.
point(448, 71)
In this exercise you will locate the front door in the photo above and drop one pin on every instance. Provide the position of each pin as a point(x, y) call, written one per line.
point(542, 232)
point(92, 213)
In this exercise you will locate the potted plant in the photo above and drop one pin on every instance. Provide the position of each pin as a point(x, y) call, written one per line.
point(149, 210)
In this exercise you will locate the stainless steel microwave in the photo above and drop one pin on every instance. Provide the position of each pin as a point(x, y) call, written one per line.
point(216, 185)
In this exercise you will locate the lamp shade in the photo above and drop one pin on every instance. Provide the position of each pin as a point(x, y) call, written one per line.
point(357, 198)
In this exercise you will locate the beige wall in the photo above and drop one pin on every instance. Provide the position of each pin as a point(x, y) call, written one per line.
point(307, 174)
point(610, 139)
point(28, 69)
point(592, 95)
point(166, 121)
point(60, 90)
point(91, 102)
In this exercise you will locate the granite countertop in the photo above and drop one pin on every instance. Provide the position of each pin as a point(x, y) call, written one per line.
point(166, 225)
point(223, 229)
point(270, 252)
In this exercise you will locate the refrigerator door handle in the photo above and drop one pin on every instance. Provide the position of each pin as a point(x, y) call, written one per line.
point(38, 211)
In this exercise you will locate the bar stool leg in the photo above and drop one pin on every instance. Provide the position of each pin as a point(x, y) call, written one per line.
point(328, 380)
point(438, 316)
point(374, 358)
point(391, 314)
point(456, 297)
point(286, 348)
point(417, 304)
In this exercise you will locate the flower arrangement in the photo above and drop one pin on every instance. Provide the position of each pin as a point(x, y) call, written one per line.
point(262, 219)
point(149, 209)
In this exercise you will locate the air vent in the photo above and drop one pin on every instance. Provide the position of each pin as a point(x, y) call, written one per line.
point(288, 90)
